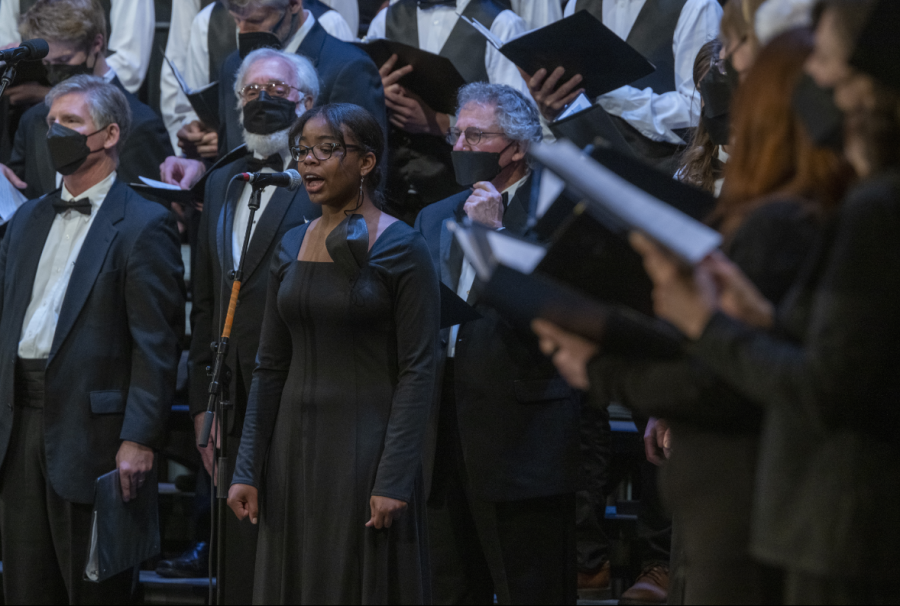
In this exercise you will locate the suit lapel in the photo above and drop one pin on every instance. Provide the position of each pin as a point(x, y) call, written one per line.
point(311, 46)
point(89, 262)
point(515, 219)
point(451, 253)
point(267, 228)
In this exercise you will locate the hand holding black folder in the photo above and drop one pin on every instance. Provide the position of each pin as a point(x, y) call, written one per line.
point(122, 534)
point(173, 193)
point(204, 100)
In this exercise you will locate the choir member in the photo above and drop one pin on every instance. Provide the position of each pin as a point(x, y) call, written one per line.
point(76, 32)
point(91, 315)
point(330, 463)
point(502, 462)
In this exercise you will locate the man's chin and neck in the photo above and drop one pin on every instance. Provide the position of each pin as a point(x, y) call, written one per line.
point(89, 175)
point(266, 145)
point(511, 174)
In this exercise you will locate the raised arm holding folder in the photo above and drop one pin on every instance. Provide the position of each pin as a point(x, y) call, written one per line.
point(434, 78)
point(173, 193)
point(580, 44)
point(204, 100)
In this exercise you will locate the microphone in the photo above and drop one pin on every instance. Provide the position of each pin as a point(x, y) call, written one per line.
point(290, 179)
point(30, 50)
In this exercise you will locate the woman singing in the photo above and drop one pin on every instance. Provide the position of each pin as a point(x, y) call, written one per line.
point(329, 463)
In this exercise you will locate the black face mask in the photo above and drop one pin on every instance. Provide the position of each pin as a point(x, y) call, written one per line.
point(716, 90)
point(68, 148)
point(474, 166)
point(57, 73)
point(815, 107)
point(266, 115)
point(251, 41)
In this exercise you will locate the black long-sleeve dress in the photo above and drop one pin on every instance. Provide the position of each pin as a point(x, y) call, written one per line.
point(829, 469)
point(337, 413)
point(709, 480)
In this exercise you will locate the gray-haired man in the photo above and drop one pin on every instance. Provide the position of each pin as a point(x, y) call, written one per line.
point(502, 464)
point(91, 314)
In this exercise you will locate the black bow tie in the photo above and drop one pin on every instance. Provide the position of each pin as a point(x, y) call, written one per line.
point(433, 3)
point(83, 206)
point(274, 162)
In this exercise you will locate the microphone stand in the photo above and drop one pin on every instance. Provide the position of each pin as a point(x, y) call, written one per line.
point(9, 74)
point(220, 403)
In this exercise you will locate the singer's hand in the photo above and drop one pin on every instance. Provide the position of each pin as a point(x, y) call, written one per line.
point(552, 99)
point(134, 461)
point(9, 174)
point(181, 172)
point(197, 139)
point(384, 511)
point(485, 205)
point(244, 501)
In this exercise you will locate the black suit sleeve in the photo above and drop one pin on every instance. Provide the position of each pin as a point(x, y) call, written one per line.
point(417, 321)
point(359, 82)
point(203, 311)
point(273, 360)
point(844, 373)
point(17, 158)
point(154, 302)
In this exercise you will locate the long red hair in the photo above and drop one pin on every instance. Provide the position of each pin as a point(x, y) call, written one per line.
point(771, 152)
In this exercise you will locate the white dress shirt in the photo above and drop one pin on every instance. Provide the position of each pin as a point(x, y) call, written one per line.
point(436, 23)
point(242, 211)
point(131, 26)
point(173, 103)
point(64, 242)
point(196, 71)
point(653, 115)
point(538, 13)
point(467, 273)
point(349, 10)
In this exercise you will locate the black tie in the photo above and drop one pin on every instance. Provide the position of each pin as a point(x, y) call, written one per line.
point(433, 3)
point(274, 162)
point(83, 206)
point(505, 197)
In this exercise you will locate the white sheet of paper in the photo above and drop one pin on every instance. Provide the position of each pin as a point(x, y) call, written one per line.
point(687, 238)
point(551, 188)
point(514, 253)
point(10, 199)
point(580, 104)
point(159, 184)
point(494, 40)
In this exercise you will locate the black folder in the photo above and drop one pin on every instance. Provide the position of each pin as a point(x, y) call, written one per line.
point(434, 78)
point(203, 100)
point(195, 193)
point(122, 534)
point(582, 45)
point(585, 127)
point(454, 310)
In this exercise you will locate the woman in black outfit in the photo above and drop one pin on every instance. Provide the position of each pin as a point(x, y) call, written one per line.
point(778, 188)
point(826, 366)
point(341, 394)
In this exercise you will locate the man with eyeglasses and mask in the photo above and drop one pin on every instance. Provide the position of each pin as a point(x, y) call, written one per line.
point(346, 73)
point(273, 89)
point(76, 33)
point(502, 460)
point(91, 319)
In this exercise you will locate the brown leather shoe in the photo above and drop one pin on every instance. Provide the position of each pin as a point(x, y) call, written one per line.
point(591, 585)
point(651, 586)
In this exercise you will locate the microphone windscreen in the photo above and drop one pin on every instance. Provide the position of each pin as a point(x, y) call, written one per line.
point(37, 47)
point(296, 179)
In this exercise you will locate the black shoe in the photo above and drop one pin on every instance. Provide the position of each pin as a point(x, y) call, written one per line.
point(191, 564)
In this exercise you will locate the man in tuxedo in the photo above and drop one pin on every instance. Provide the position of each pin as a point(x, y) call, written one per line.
point(223, 225)
point(502, 460)
point(91, 315)
point(82, 52)
point(346, 73)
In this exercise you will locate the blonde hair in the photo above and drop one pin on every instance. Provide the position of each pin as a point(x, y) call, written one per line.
point(71, 21)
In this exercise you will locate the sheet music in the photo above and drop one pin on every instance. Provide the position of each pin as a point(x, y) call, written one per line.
point(159, 184)
point(682, 235)
point(494, 40)
point(187, 90)
point(551, 188)
point(514, 253)
point(10, 199)
point(580, 103)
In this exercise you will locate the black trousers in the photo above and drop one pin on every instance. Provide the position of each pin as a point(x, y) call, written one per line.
point(521, 551)
point(240, 545)
point(45, 538)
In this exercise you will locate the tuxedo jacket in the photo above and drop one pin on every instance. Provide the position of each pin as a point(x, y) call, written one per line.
point(518, 420)
point(111, 371)
point(346, 75)
point(147, 146)
point(212, 281)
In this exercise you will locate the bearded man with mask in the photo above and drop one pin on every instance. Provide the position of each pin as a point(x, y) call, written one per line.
point(91, 318)
point(273, 89)
point(502, 461)
point(76, 31)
